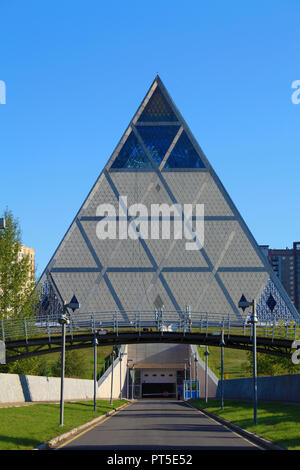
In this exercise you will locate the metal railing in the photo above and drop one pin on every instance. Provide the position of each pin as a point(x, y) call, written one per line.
point(140, 321)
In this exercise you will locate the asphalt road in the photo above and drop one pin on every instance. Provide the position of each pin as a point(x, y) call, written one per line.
point(158, 424)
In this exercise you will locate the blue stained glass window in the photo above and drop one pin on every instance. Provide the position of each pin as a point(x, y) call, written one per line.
point(271, 305)
point(157, 109)
point(184, 155)
point(158, 139)
point(131, 155)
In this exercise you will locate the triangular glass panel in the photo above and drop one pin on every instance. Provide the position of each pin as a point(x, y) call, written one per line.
point(157, 109)
point(131, 155)
point(184, 155)
point(158, 139)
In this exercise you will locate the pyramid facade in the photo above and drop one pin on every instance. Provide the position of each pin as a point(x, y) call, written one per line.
point(158, 162)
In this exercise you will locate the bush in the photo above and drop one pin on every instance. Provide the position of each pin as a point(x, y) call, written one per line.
point(75, 365)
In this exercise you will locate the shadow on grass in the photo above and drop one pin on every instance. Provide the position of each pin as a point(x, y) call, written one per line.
point(276, 421)
point(12, 443)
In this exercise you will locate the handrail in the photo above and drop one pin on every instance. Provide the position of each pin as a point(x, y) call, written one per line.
point(163, 320)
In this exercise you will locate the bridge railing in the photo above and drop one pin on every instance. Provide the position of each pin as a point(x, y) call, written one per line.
point(140, 321)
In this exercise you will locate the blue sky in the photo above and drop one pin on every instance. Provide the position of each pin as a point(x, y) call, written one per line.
point(75, 73)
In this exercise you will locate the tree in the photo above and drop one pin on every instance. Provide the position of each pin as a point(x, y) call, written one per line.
point(268, 364)
point(18, 295)
point(18, 292)
point(75, 365)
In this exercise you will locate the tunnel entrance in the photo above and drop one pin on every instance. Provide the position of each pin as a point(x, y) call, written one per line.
point(160, 390)
point(160, 383)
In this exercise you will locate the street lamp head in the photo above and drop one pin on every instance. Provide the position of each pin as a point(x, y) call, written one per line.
point(63, 319)
point(243, 304)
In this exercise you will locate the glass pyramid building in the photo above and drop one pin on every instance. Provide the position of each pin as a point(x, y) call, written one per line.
point(158, 161)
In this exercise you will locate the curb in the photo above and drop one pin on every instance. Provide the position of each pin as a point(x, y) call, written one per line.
point(268, 445)
point(53, 442)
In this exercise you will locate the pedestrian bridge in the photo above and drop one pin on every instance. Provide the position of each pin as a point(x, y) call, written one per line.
point(30, 337)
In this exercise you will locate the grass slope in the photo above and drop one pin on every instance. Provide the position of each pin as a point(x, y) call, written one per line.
point(276, 422)
point(26, 427)
point(233, 360)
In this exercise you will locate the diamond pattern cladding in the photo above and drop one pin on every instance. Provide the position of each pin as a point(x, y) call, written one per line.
point(116, 253)
point(199, 290)
point(100, 299)
point(135, 290)
point(251, 284)
point(101, 194)
point(226, 244)
point(140, 188)
point(71, 283)
point(74, 252)
point(198, 188)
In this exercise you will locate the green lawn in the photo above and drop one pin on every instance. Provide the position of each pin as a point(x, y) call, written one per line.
point(26, 427)
point(276, 422)
point(87, 355)
point(233, 360)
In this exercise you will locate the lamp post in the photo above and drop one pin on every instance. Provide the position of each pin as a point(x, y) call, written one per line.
point(206, 354)
point(95, 370)
point(112, 377)
point(243, 304)
point(120, 359)
point(64, 320)
point(222, 344)
point(128, 360)
point(186, 360)
point(196, 374)
point(132, 391)
point(2, 223)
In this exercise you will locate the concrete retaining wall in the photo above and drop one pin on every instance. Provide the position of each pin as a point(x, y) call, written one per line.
point(119, 380)
point(271, 388)
point(212, 380)
point(25, 388)
point(16, 388)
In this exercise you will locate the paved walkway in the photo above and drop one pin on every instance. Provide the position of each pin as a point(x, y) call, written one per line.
point(158, 424)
